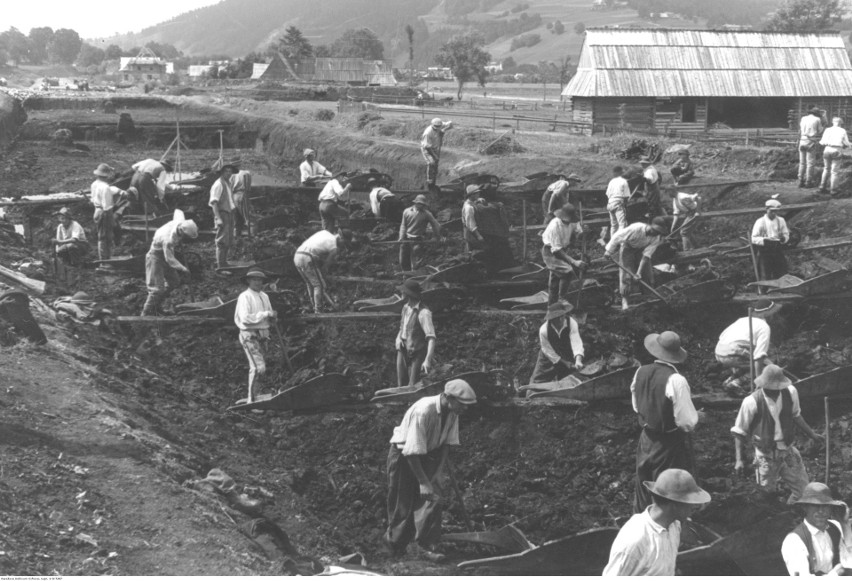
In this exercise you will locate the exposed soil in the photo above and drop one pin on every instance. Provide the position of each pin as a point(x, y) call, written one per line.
point(101, 428)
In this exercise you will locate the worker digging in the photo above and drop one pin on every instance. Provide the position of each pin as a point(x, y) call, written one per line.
point(258, 332)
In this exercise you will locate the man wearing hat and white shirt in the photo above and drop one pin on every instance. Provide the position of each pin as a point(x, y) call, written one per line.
point(820, 545)
point(768, 415)
point(561, 345)
point(810, 129)
point(149, 182)
point(835, 140)
point(311, 170)
point(472, 237)
point(652, 187)
point(648, 543)
point(683, 169)
point(253, 316)
point(161, 266)
point(104, 198)
point(415, 342)
point(416, 463)
point(430, 147)
point(329, 202)
point(617, 194)
point(70, 242)
point(662, 398)
point(685, 208)
point(557, 195)
point(557, 238)
point(635, 245)
point(736, 344)
point(383, 202)
point(222, 203)
point(768, 236)
point(313, 257)
point(415, 220)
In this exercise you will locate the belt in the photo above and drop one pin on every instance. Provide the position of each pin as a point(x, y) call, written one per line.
point(652, 431)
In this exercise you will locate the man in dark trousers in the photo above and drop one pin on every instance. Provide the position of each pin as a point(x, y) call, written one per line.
point(769, 235)
point(412, 228)
point(822, 543)
point(662, 398)
point(415, 342)
point(416, 461)
point(561, 345)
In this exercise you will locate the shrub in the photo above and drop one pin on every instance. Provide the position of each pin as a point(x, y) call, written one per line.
point(324, 115)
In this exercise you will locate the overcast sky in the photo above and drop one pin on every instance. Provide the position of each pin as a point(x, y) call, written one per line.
point(92, 18)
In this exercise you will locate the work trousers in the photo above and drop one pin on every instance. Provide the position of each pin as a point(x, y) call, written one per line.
point(105, 226)
point(72, 254)
point(431, 167)
point(655, 453)
point(330, 213)
point(311, 275)
point(411, 517)
point(560, 275)
point(807, 160)
point(831, 160)
point(254, 346)
point(224, 237)
point(411, 255)
point(617, 216)
point(652, 195)
point(686, 223)
point(160, 278)
point(408, 365)
point(631, 258)
point(494, 252)
point(546, 370)
point(149, 195)
point(771, 263)
point(241, 217)
point(784, 464)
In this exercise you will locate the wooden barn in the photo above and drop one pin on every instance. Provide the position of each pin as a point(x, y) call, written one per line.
point(694, 80)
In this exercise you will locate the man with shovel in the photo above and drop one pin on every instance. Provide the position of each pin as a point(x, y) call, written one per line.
point(744, 340)
point(314, 257)
point(253, 317)
point(562, 267)
point(635, 245)
point(417, 459)
point(561, 345)
point(685, 208)
point(161, 266)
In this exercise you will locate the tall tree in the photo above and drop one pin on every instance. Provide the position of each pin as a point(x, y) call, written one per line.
point(90, 55)
point(16, 43)
point(805, 16)
point(65, 46)
point(359, 43)
point(40, 37)
point(112, 52)
point(294, 45)
point(564, 72)
point(466, 58)
point(409, 32)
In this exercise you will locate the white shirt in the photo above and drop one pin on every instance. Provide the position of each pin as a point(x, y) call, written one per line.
point(558, 234)
point(643, 547)
point(320, 245)
point(103, 195)
point(253, 311)
point(835, 137)
point(765, 228)
point(312, 170)
point(148, 166)
point(166, 238)
point(795, 553)
point(376, 200)
point(634, 236)
point(220, 193)
point(424, 317)
point(331, 191)
point(684, 203)
point(651, 174)
point(421, 430)
point(677, 390)
point(734, 340)
point(617, 191)
point(573, 335)
point(73, 232)
point(240, 182)
point(809, 128)
point(469, 217)
point(748, 410)
point(432, 139)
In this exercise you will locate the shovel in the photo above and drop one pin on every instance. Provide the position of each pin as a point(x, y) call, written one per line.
point(580, 317)
point(284, 348)
point(642, 282)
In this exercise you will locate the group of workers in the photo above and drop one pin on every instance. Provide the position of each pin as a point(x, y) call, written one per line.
point(814, 131)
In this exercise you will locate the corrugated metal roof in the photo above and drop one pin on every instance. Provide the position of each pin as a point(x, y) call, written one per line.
point(702, 63)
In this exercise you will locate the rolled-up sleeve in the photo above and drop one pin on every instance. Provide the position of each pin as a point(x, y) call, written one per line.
point(576, 340)
point(677, 390)
point(761, 341)
point(425, 318)
point(416, 443)
point(758, 233)
point(742, 425)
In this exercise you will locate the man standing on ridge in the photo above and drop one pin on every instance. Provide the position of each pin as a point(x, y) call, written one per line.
point(430, 147)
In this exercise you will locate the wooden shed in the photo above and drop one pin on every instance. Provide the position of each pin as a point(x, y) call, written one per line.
point(692, 80)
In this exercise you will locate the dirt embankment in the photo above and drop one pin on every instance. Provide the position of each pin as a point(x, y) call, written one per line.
point(12, 116)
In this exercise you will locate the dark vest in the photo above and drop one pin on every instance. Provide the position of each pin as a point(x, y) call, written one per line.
point(416, 338)
point(763, 426)
point(656, 411)
point(561, 343)
point(807, 539)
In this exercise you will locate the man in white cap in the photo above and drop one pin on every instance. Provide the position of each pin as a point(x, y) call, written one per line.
point(652, 187)
point(736, 344)
point(412, 229)
point(768, 237)
point(561, 345)
point(416, 463)
point(810, 129)
point(313, 258)
point(222, 204)
point(561, 266)
point(415, 341)
point(635, 245)
point(822, 543)
point(685, 208)
point(253, 317)
point(663, 400)
point(311, 170)
point(70, 242)
point(557, 195)
point(835, 140)
point(430, 147)
point(161, 266)
point(104, 198)
point(648, 543)
point(768, 417)
point(330, 210)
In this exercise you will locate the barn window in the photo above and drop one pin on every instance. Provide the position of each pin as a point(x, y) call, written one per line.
point(687, 112)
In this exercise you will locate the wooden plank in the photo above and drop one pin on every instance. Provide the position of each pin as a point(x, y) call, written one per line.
point(45, 202)
point(23, 281)
point(177, 319)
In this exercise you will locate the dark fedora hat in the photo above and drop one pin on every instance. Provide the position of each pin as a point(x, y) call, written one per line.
point(411, 288)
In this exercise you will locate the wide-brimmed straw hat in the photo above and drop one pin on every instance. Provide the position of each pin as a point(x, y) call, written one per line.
point(665, 346)
point(255, 274)
point(566, 213)
point(679, 486)
point(819, 494)
point(765, 307)
point(461, 391)
point(104, 171)
point(421, 199)
point(772, 378)
point(558, 309)
point(436, 122)
point(411, 288)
